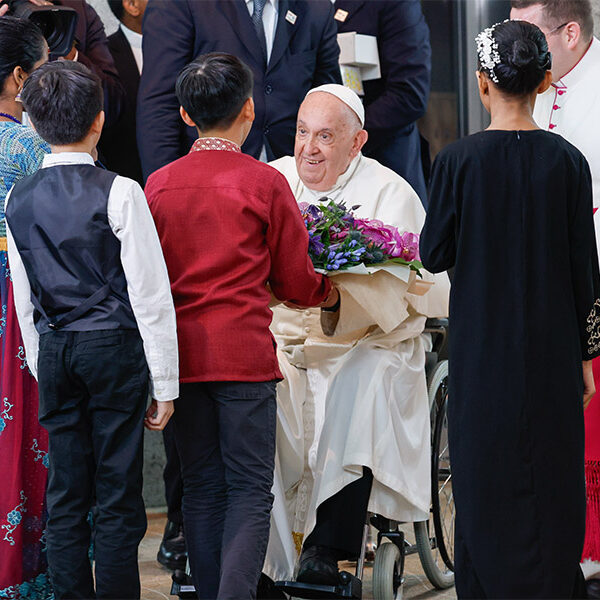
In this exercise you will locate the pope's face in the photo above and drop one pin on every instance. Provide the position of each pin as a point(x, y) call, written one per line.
point(325, 140)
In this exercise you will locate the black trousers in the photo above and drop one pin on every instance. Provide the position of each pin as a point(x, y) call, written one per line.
point(341, 519)
point(172, 475)
point(225, 435)
point(93, 390)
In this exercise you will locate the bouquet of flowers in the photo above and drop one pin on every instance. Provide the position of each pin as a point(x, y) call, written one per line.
point(338, 240)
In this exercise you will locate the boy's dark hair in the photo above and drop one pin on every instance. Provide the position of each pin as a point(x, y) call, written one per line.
point(524, 57)
point(62, 99)
point(117, 7)
point(213, 89)
point(21, 45)
point(557, 12)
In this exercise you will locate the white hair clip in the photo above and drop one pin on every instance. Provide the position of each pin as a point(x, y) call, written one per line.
point(487, 51)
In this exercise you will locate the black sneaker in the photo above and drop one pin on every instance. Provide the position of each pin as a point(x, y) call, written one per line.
point(172, 553)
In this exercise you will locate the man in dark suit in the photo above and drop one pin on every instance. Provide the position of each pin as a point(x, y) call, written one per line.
point(118, 145)
point(290, 45)
point(394, 102)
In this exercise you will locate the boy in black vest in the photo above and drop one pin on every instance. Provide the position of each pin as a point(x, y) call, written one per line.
point(92, 293)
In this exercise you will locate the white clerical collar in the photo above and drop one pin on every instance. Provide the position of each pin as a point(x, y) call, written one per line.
point(67, 158)
point(343, 179)
point(580, 71)
point(133, 37)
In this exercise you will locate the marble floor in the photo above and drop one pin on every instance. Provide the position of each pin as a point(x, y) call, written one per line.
point(156, 581)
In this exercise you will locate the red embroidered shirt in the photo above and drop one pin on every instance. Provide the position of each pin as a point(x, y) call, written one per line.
point(228, 225)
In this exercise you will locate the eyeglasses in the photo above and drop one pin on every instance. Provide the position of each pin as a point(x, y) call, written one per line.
point(557, 28)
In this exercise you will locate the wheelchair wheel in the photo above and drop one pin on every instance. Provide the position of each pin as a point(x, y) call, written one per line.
point(387, 573)
point(435, 538)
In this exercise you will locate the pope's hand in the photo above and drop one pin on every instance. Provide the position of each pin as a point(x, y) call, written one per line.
point(158, 415)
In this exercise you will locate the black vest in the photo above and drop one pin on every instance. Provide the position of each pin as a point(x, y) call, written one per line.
point(58, 219)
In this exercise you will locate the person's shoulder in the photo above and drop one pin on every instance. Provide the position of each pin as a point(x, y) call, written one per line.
point(315, 9)
point(561, 145)
point(286, 165)
point(23, 134)
point(380, 174)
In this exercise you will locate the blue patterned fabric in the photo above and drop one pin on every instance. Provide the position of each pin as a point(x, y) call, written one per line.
point(21, 153)
point(23, 442)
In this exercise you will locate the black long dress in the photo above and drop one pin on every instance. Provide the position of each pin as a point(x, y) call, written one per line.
point(512, 212)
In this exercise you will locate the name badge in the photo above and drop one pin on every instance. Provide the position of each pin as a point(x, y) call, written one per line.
point(290, 17)
point(340, 15)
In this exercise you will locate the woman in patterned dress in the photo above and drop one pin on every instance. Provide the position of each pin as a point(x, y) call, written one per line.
point(23, 442)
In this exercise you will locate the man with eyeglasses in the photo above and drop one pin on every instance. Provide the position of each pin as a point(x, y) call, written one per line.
point(570, 108)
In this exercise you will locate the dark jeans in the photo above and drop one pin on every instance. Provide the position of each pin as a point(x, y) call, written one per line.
point(93, 390)
point(341, 519)
point(172, 475)
point(226, 442)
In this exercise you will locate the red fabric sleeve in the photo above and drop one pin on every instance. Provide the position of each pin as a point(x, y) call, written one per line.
point(292, 277)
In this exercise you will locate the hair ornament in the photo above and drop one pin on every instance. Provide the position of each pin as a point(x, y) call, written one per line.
point(487, 50)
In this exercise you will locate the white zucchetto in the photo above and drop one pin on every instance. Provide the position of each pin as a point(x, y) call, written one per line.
point(346, 95)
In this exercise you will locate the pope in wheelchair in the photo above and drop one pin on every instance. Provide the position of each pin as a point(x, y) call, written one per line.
point(353, 416)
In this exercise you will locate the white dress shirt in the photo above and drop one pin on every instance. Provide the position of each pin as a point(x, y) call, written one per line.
point(145, 271)
point(135, 41)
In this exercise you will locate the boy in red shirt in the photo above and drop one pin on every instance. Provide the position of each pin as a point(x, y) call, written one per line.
point(229, 225)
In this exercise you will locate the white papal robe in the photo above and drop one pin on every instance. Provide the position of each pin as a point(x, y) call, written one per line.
point(358, 398)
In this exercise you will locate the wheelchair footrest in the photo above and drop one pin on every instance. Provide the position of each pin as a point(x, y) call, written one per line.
point(349, 587)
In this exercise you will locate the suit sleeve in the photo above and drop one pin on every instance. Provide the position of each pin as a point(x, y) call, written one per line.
point(327, 69)
point(168, 45)
point(292, 277)
point(405, 57)
point(96, 56)
point(584, 265)
point(438, 237)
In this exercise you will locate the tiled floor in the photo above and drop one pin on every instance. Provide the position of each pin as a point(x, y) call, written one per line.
point(156, 582)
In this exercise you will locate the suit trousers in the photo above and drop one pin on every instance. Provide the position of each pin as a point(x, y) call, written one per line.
point(172, 475)
point(93, 390)
point(225, 433)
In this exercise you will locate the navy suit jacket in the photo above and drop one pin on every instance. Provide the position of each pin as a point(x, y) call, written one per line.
point(118, 145)
point(394, 102)
point(305, 54)
point(92, 47)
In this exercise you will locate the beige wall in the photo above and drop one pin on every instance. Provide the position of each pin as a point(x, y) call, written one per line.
point(596, 9)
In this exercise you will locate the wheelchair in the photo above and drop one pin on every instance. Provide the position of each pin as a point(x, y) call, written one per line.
point(434, 539)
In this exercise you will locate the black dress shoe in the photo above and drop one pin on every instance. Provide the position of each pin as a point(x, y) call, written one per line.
point(593, 588)
point(318, 564)
point(172, 553)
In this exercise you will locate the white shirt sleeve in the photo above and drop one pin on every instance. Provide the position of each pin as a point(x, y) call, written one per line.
point(22, 297)
point(147, 284)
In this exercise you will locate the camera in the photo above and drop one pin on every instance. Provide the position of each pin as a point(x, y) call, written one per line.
point(57, 23)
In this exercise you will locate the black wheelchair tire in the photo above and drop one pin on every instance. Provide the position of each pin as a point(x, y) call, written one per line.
point(440, 576)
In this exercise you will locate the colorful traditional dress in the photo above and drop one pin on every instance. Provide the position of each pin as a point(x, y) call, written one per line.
point(23, 442)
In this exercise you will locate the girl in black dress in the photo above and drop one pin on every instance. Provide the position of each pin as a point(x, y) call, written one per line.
point(510, 209)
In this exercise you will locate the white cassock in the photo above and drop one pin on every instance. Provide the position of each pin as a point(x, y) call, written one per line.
point(358, 398)
point(571, 108)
